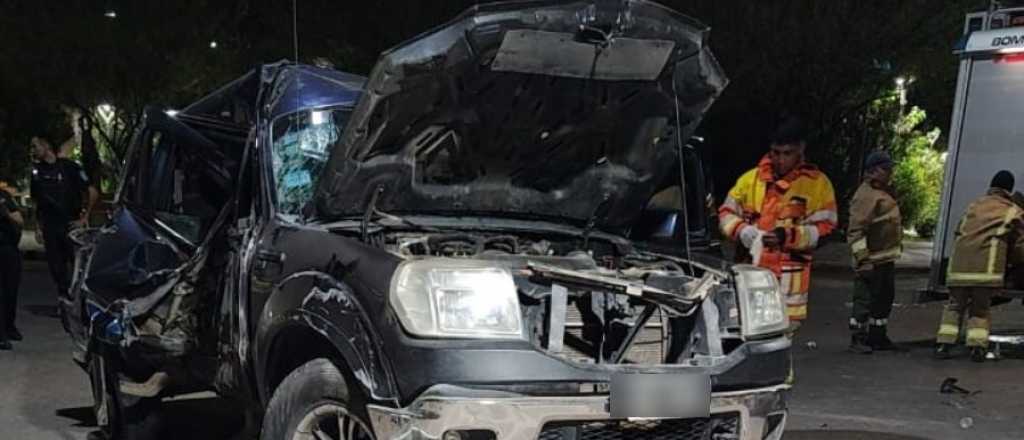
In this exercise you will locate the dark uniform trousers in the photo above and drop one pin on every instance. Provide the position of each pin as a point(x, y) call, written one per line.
point(10, 279)
point(60, 254)
point(873, 293)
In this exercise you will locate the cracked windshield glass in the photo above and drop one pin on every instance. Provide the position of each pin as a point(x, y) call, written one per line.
point(302, 141)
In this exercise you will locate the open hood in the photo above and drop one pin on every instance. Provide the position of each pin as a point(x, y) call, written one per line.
point(541, 109)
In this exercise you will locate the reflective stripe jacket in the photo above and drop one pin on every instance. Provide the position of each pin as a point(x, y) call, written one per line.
point(802, 203)
point(876, 231)
point(991, 234)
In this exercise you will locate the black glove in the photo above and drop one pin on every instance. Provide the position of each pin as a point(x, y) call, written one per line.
point(780, 233)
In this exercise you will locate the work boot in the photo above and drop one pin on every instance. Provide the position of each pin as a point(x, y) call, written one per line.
point(943, 351)
point(879, 340)
point(96, 435)
point(1000, 300)
point(859, 344)
point(978, 354)
point(14, 335)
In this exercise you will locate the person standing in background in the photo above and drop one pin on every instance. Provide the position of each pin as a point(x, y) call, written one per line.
point(64, 198)
point(875, 236)
point(11, 224)
point(990, 237)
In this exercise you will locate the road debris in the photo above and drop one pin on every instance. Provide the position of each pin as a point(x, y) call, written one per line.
point(966, 422)
point(949, 386)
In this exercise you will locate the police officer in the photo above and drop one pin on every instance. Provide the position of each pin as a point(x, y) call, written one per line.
point(59, 188)
point(875, 236)
point(990, 236)
point(11, 223)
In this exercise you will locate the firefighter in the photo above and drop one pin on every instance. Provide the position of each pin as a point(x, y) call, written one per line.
point(787, 205)
point(990, 236)
point(875, 237)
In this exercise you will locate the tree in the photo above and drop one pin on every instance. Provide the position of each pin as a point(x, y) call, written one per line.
point(829, 62)
point(73, 61)
point(917, 177)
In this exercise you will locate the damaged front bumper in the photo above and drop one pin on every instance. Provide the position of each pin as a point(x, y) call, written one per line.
point(449, 412)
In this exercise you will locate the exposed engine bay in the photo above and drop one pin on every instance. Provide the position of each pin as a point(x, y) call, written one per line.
point(608, 304)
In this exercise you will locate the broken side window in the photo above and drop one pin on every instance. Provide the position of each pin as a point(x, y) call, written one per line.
point(174, 183)
point(301, 144)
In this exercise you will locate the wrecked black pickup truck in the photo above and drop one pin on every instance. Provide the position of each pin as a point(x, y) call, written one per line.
point(499, 234)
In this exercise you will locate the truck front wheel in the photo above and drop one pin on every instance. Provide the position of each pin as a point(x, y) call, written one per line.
point(314, 403)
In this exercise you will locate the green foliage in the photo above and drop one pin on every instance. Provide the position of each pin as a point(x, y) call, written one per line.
point(828, 61)
point(917, 176)
point(833, 63)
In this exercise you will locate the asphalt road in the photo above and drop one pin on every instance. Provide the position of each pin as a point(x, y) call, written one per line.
point(838, 395)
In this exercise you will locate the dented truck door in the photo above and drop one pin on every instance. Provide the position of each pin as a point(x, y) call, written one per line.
point(232, 318)
point(167, 203)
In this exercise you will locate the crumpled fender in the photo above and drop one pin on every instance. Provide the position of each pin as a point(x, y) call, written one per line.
point(318, 302)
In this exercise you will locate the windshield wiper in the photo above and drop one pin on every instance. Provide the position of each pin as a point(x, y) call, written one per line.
point(592, 221)
point(371, 209)
point(368, 211)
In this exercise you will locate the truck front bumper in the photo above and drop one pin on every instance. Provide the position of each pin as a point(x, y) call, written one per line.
point(447, 412)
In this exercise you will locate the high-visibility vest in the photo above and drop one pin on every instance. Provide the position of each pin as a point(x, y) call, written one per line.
point(802, 202)
point(990, 234)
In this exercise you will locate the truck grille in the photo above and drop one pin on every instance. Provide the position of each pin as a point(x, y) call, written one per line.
point(647, 348)
point(718, 427)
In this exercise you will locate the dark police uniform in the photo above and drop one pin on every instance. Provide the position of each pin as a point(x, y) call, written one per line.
point(58, 189)
point(10, 265)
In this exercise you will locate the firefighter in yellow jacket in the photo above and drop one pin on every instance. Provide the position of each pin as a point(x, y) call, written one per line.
point(990, 235)
point(788, 205)
point(875, 236)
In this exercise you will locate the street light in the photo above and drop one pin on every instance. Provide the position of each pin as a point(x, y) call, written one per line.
point(901, 88)
point(110, 13)
point(213, 45)
point(105, 112)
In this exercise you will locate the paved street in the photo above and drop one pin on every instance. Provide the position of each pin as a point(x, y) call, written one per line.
point(838, 395)
point(45, 396)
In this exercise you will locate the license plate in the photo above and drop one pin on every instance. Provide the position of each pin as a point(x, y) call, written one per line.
point(660, 396)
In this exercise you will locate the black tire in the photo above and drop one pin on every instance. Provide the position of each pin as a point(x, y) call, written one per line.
point(316, 390)
point(127, 417)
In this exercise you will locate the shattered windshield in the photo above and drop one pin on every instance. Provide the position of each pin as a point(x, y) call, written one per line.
point(301, 142)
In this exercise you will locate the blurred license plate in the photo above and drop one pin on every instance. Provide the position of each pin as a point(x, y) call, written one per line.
point(660, 396)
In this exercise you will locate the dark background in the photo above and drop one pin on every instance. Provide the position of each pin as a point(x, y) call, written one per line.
point(827, 61)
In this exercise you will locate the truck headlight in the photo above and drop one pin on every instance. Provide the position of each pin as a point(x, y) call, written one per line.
point(762, 303)
point(456, 298)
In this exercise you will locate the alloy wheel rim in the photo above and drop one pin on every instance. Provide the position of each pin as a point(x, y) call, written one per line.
point(331, 421)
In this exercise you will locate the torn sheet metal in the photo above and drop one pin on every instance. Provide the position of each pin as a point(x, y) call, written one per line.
point(131, 261)
point(676, 302)
point(556, 323)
